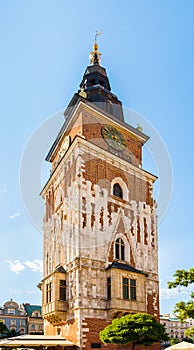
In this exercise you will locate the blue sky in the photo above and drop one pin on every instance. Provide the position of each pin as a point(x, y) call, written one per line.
point(148, 53)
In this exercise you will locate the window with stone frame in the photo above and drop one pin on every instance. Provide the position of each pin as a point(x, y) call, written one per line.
point(62, 290)
point(133, 295)
point(125, 288)
point(108, 287)
point(11, 311)
point(13, 322)
point(48, 292)
point(129, 289)
point(119, 249)
point(117, 191)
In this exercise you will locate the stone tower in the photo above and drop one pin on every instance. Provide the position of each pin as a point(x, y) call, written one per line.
point(100, 229)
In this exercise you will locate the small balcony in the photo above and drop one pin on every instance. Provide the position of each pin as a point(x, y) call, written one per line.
point(55, 312)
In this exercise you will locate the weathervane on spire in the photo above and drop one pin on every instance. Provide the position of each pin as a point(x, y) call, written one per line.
point(95, 55)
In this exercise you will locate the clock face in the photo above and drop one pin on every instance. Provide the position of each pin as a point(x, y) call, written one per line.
point(65, 145)
point(113, 137)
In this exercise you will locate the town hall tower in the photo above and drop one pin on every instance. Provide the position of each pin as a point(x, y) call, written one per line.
point(100, 226)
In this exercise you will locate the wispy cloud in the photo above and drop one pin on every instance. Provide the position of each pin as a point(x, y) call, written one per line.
point(15, 266)
point(18, 266)
point(166, 293)
point(14, 291)
point(3, 190)
point(31, 292)
point(14, 216)
point(35, 265)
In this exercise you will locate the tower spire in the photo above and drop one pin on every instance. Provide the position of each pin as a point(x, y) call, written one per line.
point(95, 54)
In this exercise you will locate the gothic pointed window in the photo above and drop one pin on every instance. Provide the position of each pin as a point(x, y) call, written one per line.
point(119, 249)
point(117, 191)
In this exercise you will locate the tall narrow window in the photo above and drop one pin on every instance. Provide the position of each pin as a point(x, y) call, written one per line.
point(109, 288)
point(62, 290)
point(117, 191)
point(119, 249)
point(125, 288)
point(48, 292)
point(109, 107)
point(133, 290)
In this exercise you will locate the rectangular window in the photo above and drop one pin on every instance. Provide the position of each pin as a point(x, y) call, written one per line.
point(95, 346)
point(62, 290)
point(13, 322)
point(11, 311)
point(133, 290)
point(125, 288)
point(22, 323)
point(48, 292)
point(32, 326)
point(109, 288)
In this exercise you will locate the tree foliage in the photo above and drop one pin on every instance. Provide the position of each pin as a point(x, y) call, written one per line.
point(174, 341)
point(140, 328)
point(7, 333)
point(183, 278)
point(190, 333)
point(184, 310)
point(3, 329)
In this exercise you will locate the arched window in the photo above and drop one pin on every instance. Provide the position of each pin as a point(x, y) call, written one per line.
point(117, 190)
point(119, 249)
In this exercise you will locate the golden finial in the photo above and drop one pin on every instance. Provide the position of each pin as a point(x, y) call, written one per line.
point(139, 128)
point(82, 93)
point(95, 55)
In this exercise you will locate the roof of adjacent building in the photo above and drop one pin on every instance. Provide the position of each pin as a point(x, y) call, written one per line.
point(31, 308)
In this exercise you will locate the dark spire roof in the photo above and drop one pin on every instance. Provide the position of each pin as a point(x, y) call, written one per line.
point(95, 87)
point(95, 90)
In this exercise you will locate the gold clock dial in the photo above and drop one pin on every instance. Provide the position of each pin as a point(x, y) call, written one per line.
point(113, 137)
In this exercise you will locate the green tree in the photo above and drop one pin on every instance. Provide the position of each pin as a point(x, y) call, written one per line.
point(3, 329)
point(183, 278)
point(12, 333)
point(140, 328)
point(174, 341)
